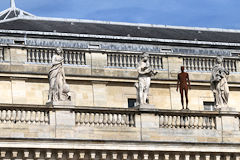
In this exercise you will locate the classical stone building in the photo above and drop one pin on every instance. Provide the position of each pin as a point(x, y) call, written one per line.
point(100, 65)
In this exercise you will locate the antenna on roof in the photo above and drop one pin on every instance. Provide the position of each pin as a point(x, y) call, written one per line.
point(13, 5)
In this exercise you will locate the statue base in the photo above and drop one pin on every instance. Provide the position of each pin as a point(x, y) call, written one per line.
point(228, 109)
point(61, 104)
point(146, 106)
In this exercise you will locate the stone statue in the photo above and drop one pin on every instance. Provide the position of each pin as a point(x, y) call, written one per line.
point(144, 79)
point(58, 88)
point(183, 79)
point(219, 84)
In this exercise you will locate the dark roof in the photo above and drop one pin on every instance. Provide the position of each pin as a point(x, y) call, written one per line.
point(120, 30)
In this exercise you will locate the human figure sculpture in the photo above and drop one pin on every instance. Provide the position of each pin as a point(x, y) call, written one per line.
point(219, 84)
point(58, 88)
point(183, 79)
point(144, 79)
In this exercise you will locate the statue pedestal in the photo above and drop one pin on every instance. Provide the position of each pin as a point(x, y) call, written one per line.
point(62, 115)
point(228, 109)
point(146, 106)
point(61, 104)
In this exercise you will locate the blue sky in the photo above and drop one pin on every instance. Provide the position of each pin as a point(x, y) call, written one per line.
point(196, 13)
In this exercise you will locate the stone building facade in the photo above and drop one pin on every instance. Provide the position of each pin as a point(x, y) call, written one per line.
point(100, 60)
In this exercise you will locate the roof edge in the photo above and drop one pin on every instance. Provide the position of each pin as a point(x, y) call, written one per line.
point(120, 38)
point(32, 17)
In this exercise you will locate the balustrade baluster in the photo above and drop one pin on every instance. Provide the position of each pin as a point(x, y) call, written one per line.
point(135, 61)
point(132, 121)
point(23, 116)
point(65, 57)
point(77, 119)
point(120, 60)
point(105, 119)
point(3, 116)
point(165, 121)
point(174, 122)
point(28, 55)
point(235, 66)
point(161, 121)
point(127, 60)
point(186, 122)
point(114, 119)
point(213, 123)
point(18, 117)
point(108, 59)
point(127, 121)
point(195, 122)
point(50, 54)
point(96, 119)
point(86, 120)
point(74, 57)
point(33, 55)
point(46, 56)
point(13, 116)
point(37, 56)
point(101, 120)
point(70, 57)
point(119, 119)
point(41, 56)
point(191, 64)
point(124, 64)
point(191, 122)
point(38, 115)
point(208, 124)
point(130, 60)
point(46, 115)
point(194, 64)
point(207, 64)
point(170, 119)
point(82, 119)
point(200, 122)
point(33, 117)
point(78, 58)
point(182, 121)
point(124, 118)
point(8, 117)
point(91, 119)
point(42, 118)
point(111, 119)
point(178, 122)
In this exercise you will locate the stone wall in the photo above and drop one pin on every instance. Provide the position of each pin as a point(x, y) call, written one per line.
point(106, 79)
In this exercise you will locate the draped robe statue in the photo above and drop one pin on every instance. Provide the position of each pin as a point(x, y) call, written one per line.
point(219, 84)
point(58, 88)
point(144, 79)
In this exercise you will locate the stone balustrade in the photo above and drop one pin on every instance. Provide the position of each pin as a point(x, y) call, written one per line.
point(207, 63)
point(131, 60)
point(45, 56)
point(105, 119)
point(20, 115)
point(74, 132)
point(187, 121)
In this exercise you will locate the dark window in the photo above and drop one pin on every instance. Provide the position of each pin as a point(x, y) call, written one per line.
point(208, 106)
point(131, 103)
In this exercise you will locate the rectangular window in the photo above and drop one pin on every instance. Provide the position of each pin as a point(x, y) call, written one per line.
point(131, 103)
point(208, 106)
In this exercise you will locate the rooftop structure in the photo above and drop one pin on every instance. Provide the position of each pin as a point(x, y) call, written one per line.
point(102, 122)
